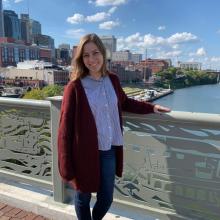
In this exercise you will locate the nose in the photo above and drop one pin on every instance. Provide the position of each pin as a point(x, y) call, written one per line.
point(90, 58)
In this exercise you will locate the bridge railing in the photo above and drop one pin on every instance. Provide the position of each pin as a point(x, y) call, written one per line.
point(25, 141)
point(172, 161)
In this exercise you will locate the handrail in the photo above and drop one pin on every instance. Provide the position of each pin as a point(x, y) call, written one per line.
point(173, 154)
point(25, 102)
point(181, 116)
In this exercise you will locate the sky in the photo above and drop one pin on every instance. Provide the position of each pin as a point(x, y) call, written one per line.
point(180, 30)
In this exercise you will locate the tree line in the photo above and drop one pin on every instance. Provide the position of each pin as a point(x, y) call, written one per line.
point(176, 78)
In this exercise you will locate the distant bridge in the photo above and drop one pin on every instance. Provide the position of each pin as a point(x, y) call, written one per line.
point(216, 72)
point(213, 71)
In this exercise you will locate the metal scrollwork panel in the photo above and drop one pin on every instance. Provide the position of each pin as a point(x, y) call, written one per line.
point(25, 141)
point(171, 166)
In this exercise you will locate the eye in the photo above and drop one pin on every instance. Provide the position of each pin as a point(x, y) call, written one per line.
point(96, 52)
point(85, 55)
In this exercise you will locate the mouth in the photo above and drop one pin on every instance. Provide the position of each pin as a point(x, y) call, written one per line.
point(92, 65)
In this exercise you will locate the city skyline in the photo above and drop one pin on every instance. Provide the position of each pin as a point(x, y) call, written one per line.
point(181, 30)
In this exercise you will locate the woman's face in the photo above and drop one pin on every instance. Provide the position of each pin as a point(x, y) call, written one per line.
point(92, 58)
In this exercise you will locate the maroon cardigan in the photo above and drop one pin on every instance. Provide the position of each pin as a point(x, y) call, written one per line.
point(78, 155)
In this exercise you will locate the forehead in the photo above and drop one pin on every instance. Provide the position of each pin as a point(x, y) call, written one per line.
point(90, 46)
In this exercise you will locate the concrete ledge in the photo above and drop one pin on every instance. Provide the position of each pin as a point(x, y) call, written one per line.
point(40, 201)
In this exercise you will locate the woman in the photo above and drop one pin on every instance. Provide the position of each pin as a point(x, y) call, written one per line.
point(90, 131)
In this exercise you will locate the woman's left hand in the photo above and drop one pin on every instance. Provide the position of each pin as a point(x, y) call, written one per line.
point(161, 109)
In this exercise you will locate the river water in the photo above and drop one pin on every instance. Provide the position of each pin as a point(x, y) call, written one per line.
point(204, 98)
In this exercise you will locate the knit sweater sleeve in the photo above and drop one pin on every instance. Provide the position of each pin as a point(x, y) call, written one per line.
point(66, 133)
point(131, 105)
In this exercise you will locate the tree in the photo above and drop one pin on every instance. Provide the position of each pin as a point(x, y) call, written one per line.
point(52, 90)
point(41, 94)
point(34, 94)
point(179, 78)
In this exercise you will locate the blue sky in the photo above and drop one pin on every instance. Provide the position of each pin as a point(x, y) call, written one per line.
point(184, 30)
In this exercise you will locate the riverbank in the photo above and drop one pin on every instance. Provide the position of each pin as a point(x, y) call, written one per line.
point(160, 95)
point(144, 94)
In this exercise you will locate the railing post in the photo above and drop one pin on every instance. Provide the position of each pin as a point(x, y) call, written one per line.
point(59, 190)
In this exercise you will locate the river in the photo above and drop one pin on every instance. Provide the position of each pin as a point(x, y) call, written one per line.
point(204, 98)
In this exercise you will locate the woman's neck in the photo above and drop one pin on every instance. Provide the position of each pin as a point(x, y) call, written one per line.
point(96, 76)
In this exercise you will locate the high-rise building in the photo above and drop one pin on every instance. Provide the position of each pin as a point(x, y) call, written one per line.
point(64, 46)
point(29, 27)
point(136, 57)
point(25, 28)
point(2, 33)
point(12, 25)
point(44, 41)
point(110, 45)
point(35, 27)
point(124, 55)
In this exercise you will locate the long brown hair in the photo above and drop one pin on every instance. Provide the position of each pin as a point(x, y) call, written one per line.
point(79, 68)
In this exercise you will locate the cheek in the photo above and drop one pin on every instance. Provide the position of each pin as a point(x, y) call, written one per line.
point(101, 60)
point(84, 61)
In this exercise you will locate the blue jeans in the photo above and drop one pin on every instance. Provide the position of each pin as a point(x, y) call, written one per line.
point(104, 195)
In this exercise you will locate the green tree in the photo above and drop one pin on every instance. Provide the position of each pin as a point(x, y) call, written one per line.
point(34, 94)
point(52, 90)
point(41, 94)
point(179, 78)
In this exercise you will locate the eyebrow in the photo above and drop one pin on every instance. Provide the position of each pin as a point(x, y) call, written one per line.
point(95, 50)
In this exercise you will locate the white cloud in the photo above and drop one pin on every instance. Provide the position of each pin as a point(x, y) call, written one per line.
point(133, 38)
point(215, 59)
point(76, 19)
point(168, 54)
point(100, 16)
point(175, 46)
point(211, 63)
point(191, 60)
point(161, 28)
point(182, 38)
point(158, 46)
point(173, 53)
point(109, 2)
point(75, 33)
point(150, 40)
point(201, 52)
point(17, 1)
point(112, 10)
point(108, 25)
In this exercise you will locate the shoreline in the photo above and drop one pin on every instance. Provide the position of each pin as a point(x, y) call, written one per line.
point(161, 95)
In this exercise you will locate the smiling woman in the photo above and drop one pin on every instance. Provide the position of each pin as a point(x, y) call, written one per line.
point(93, 60)
point(90, 131)
point(90, 57)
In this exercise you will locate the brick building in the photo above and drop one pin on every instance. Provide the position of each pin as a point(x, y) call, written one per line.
point(156, 65)
point(13, 51)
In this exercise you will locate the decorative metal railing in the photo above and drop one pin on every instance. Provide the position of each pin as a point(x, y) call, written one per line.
point(25, 141)
point(172, 161)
